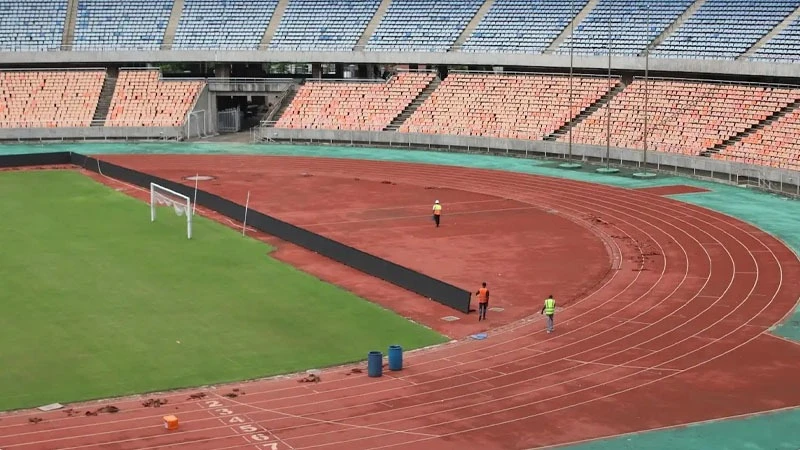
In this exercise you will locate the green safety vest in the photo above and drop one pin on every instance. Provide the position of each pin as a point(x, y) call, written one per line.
point(549, 306)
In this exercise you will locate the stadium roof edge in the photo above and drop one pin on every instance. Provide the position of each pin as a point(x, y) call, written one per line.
point(693, 66)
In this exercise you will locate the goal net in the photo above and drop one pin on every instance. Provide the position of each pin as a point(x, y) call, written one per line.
point(181, 204)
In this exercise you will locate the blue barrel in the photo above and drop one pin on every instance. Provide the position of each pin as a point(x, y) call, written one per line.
point(395, 357)
point(375, 364)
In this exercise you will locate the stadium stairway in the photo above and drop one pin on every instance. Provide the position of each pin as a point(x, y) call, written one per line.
point(273, 116)
point(774, 32)
point(172, 25)
point(602, 101)
point(412, 107)
point(274, 21)
point(675, 25)
point(104, 103)
point(69, 24)
point(752, 129)
point(373, 24)
point(590, 5)
point(467, 32)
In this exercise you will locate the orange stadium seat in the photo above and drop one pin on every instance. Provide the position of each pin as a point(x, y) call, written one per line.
point(687, 117)
point(49, 99)
point(142, 99)
point(516, 106)
point(345, 105)
point(775, 145)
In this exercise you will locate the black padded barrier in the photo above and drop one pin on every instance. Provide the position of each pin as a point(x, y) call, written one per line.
point(396, 274)
point(35, 159)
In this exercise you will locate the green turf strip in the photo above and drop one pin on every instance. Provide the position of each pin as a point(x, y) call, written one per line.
point(94, 298)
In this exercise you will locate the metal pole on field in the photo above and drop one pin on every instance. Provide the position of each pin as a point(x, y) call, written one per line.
point(608, 107)
point(644, 172)
point(571, 62)
point(608, 168)
point(194, 200)
point(246, 207)
point(569, 164)
point(646, 87)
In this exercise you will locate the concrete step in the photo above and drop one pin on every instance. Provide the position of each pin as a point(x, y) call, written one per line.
point(476, 20)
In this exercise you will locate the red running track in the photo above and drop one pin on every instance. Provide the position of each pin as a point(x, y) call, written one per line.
point(678, 334)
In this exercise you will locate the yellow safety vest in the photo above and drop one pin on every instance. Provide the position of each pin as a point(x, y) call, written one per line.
point(549, 306)
point(437, 209)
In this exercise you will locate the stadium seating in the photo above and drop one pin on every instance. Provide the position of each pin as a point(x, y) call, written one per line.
point(223, 24)
point(724, 29)
point(516, 106)
point(31, 25)
point(141, 99)
point(783, 47)
point(422, 25)
point(521, 26)
point(339, 105)
point(630, 33)
point(776, 145)
point(323, 25)
point(49, 99)
point(685, 117)
point(121, 25)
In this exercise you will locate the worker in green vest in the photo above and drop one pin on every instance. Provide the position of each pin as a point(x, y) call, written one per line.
point(548, 310)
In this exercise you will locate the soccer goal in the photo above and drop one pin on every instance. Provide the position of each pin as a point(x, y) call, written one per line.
point(181, 204)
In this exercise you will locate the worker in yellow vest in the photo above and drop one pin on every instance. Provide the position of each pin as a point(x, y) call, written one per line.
point(549, 310)
point(437, 212)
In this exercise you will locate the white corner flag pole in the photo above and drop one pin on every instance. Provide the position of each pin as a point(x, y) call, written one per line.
point(194, 202)
point(246, 207)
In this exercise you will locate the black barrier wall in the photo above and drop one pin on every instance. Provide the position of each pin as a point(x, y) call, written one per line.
point(35, 159)
point(406, 278)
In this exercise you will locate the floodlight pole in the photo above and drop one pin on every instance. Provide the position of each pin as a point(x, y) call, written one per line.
point(608, 106)
point(646, 86)
point(571, 53)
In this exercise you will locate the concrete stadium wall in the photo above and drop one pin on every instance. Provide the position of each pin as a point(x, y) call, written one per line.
point(778, 180)
point(90, 133)
point(676, 66)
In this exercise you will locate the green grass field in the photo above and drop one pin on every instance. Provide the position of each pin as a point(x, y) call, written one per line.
point(94, 298)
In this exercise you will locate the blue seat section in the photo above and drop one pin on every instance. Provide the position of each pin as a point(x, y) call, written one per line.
point(783, 47)
point(32, 25)
point(724, 29)
point(630, 31)
point(522, 26)
point(223, 24)
point(121, 24)
point(323, 25)
point(422, 25)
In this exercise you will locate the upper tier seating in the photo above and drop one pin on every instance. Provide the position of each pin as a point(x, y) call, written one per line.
point(339, 105)
point(783, 47)
point(522, 26)
point(630, 33)
point(724, 29)
point(776, 145)
point(513, 106)
point(31, 25)
point(223, 24)
point(422, 25)
point(685, 117)
point(323, 25)
point(121, 25)
point(48, 99)
point(141, 99)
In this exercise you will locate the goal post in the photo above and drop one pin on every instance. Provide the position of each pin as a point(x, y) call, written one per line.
point(181, 204)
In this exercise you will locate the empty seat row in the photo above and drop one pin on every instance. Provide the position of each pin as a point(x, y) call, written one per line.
point(141, 98)
point(359, 105)
point(223, 24)
point(49, 98)
point(128, 25)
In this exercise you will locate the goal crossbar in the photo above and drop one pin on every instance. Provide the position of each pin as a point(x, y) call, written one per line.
point(181, 204)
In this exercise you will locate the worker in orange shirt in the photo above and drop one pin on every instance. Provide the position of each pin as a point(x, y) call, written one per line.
point(483, 301)
point(437, 212)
